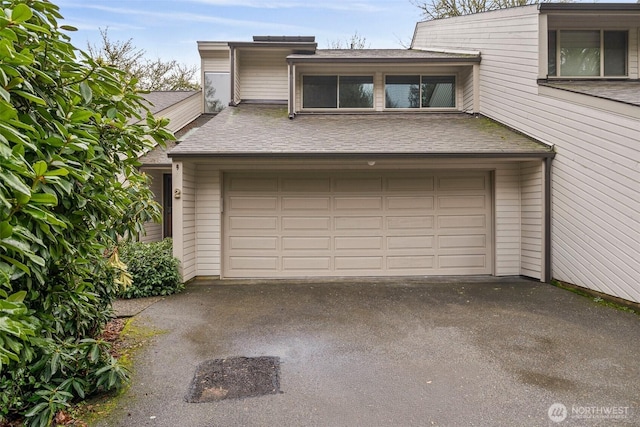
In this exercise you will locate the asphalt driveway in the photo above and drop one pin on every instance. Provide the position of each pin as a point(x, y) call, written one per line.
point(405, 352)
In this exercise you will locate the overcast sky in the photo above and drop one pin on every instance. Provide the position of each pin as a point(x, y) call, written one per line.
point(170, 28)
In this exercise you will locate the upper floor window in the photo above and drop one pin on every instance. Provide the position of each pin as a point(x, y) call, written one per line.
point(420, 92)
point(587, 53)
point(337, 91)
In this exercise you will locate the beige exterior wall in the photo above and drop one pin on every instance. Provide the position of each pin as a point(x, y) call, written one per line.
point(182, 113)
point(262, 74)
point(184, 217)
point(198, 213)
point(531, 217)
point(595, 175)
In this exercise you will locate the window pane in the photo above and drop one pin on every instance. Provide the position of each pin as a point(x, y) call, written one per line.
point(438, 91)
point(402, 92)
point(552, 43)
point(320, 91)
point(217, 91)
point(580, 53)
point(356, 92)
point(615, 53)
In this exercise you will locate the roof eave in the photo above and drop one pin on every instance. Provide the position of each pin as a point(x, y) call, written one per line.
point(328, 60)
point(589, 7)
point(377, 155)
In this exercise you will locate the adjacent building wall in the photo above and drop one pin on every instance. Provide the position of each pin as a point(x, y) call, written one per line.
point(595, 175)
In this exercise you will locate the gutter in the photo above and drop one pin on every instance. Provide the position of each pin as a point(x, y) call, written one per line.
point(547, 274)
point(271, 155)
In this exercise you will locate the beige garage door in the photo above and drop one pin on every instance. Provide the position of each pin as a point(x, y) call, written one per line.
point(320, 224)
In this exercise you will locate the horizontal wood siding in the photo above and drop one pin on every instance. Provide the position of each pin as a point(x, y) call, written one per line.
point(188, 224)
point(595, 175)
point(531, 252)
point(153, 230)
point(183, 113)
point(208, 196)
point(466, 89)
point(263, 75)
point(216, 62)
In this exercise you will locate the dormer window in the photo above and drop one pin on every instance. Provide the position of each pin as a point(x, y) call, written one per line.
point(420, 91)
point(587, 53)
point(337, 92)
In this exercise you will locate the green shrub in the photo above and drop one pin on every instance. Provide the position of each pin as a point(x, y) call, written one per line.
point(70, 187)
point(153, 269)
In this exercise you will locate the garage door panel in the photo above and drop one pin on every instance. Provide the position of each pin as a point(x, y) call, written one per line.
point(362, 243)
point(317, 263)
point(461, 202)
point(462, 183)
point(462, 261)
point(417, 263)
point(252, 242)
point(413, 184)
point(357, 184)
point(409, 242)
point(462, 221)
point(392, 223)
point(417, 203)
point(358, 203)
point(306, 185)
point(306, 223)
point(358, 222)
point(373, 264)
point(254, 263)
point(253, 203)
point(253, 184)
point(241, 223)
point(410, 222)
point(305, 203)
point(462, 241)
point(306, 243)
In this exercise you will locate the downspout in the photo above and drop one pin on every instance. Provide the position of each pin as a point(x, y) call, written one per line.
point(547, 220)
point(292, 110)
point(232, 72)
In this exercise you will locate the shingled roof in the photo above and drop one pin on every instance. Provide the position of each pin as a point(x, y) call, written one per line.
point(160, 100)
point(627, 92)
point(262, 131)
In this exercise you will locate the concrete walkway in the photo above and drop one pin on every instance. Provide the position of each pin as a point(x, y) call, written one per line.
point(403, 352)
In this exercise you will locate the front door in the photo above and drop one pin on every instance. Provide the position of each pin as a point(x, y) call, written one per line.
point(167, 206)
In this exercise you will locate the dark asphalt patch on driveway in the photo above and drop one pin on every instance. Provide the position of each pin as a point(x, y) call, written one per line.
point(235, 378)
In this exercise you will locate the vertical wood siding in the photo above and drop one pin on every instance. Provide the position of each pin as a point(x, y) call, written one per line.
point(153, 230)
point(595, 175)
point(208, 219)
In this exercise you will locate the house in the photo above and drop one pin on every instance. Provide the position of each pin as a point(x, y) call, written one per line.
point(462, 155)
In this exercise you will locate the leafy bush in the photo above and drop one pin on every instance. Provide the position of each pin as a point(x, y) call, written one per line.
point(153, 268)
point(69, 188)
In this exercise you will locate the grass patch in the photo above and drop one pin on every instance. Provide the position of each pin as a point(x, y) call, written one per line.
point(135, 335)
point(600, 298)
